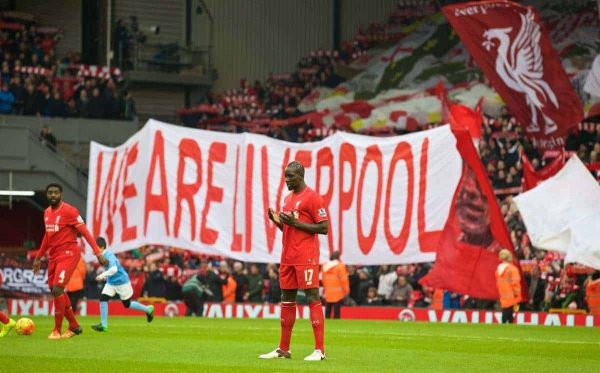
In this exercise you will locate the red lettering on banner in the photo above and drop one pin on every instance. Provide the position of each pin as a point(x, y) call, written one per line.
point(157, 202)
point(217, 153)
point(427, 240)
point(270, 227)
point(325, 159)
point(347, 156)
point(236, 242)
point(112, 202)
point(373, 154)
point(397, 244)
point(106, 194)
point(96, 213)
point(188, 149)
point(304, 157)
point(248, 195)
point(128, 233)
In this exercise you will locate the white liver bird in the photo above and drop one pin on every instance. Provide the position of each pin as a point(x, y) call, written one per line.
point(520, 66)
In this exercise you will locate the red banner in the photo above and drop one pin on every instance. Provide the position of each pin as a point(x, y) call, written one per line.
point(531, 177)
point(29, 307)
point(467, 252)
point(510, 45)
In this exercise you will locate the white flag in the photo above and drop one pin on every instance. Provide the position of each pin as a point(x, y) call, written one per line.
point(563, 214)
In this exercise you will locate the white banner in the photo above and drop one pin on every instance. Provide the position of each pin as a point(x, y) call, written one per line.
point(388, 198)
point(563, 214)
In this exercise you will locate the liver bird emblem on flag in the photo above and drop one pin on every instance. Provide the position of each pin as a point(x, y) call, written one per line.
point(519, 64)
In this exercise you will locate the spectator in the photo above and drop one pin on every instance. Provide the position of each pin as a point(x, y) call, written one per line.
point(215, 283)
point(19, 92)
point(32, 101)
point(172, 288)
point(83, 104)
point(57, 106)
point(137, 278)
point(402, 292)
point(335, 285)
point(451, 301)
point(230, 285)
point(155, 283)
point(96, 105)
point(387, 279)
point(242, 282)
point(274, 292)
point(194, 293)
point(92, 287)
point(353, 281)
point(373, 298)
point(7, 100)
point(255, 285)
point(364, 283)
point(48, 138)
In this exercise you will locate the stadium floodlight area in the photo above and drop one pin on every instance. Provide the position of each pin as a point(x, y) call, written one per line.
point(17, 193)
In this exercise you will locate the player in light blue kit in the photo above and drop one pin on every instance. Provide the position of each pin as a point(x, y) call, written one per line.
point(117, 283)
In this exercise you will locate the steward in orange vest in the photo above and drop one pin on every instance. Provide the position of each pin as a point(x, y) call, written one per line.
point(592, 295)
point(508, 280)
point(336, 285)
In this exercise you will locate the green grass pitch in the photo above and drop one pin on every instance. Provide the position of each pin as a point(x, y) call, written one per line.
point(233, 345)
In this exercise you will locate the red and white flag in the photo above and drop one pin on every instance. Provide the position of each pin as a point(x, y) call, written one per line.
point(531, 177)
point(467, 252)
point(511, 46)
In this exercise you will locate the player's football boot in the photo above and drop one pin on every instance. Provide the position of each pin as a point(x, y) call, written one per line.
point(70, 333)
point(317, 355)
point(99, 328)
point(54, 335)
point(150, 314)
point(7, 327)
point(276, 354)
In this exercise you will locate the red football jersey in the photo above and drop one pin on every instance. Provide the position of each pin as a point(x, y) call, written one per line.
point(299, 247)
point(61, 234)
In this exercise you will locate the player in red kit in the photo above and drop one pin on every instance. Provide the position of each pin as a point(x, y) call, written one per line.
point(303, 217)
point(62, 222)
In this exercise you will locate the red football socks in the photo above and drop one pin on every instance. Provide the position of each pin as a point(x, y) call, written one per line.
point(288, 318)
point(59, 312)
point(318, 324)
point(3, 318)
point(69, 313)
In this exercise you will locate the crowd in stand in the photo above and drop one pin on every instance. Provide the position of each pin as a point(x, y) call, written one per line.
point(35, 81)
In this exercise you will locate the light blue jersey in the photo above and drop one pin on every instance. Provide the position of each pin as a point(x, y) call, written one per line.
point(119, 278)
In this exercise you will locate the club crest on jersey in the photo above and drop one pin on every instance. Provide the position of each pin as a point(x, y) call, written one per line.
point(322, 212)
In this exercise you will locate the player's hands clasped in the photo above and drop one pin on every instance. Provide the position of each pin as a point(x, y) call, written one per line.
point(273, 216)
point(288, 219)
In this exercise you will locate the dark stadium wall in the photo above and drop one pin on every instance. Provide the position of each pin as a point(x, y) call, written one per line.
point(359, 13)
point(255, 38)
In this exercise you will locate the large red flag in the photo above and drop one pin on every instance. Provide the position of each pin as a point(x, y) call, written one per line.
point(531, 177)
point(467, 252)
point(511, 46)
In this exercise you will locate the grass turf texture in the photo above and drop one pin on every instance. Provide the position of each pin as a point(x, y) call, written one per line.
point(196, 344)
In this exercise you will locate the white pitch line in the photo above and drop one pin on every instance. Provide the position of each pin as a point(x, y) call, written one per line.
point(418, 335)
point(476, 337)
